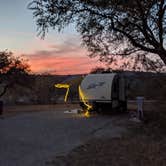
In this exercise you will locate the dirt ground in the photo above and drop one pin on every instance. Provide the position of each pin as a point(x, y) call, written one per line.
point(139, 151)
point(20, 109)
point(34, 135)
point(143, 145)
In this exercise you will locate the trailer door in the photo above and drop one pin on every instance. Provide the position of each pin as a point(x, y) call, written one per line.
point(122, 89)
point(115, 88)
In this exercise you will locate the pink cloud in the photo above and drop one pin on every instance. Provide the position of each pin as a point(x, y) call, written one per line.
point(63, 65)
point(67, 57)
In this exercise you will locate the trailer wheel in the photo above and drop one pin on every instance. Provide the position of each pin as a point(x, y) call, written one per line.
point(99, 110)
point(82, 105)
point(95, 107)
point(123, 106)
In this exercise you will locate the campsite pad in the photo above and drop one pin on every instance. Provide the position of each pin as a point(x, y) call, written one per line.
point(35, 138)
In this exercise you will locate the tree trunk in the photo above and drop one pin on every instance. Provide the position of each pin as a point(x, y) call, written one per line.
point(4, 90)
point(162, 55)
point(1, 107)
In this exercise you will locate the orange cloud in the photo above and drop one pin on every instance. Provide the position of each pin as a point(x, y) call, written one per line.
point(66, 57)
point(63, 65)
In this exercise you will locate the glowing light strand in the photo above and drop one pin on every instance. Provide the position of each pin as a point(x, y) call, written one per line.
point(82, 97)
point(66, 86)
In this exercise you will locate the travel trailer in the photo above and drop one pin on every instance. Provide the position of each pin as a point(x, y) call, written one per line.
point(103, 92)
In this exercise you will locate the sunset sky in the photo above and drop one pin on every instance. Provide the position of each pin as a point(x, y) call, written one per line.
point(56, 54)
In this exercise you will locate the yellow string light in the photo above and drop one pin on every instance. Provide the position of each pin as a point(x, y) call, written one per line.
point(66, 86)
point(82, 97)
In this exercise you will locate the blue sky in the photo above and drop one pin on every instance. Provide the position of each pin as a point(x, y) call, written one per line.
point(18, 34)
point(18, 26)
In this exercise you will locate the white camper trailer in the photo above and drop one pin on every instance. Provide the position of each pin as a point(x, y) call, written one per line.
point(103, 92)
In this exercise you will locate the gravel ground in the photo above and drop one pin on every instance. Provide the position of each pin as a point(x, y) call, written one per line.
point(129, 151)
point(144, 144)
point(35, 138)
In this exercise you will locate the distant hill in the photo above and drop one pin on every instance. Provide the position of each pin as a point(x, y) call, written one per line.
point(42, 91)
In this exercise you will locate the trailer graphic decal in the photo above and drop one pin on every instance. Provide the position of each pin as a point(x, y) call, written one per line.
point(94, 85)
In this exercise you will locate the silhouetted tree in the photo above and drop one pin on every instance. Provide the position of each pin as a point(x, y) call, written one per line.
point(13, 70)
point(97, 70)
point(108, 27)
point(138, 62)
point(143, 62)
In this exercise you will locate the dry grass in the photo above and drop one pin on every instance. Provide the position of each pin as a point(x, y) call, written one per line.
point(144, 145)
point(19, 109)
point(156, 119)
point(135, 151)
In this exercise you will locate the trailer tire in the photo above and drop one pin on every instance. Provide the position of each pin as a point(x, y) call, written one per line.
point(99, 110)
point(124, 106)
point(82, 106)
